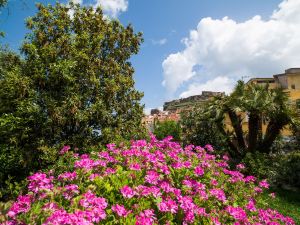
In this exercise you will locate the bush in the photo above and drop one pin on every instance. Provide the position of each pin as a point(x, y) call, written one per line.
point(289, 171)
point(262, 165)
point(167, 128)
point(157, 182)
point(281, 169)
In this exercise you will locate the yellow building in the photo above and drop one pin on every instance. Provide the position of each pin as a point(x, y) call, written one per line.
point(290, 82)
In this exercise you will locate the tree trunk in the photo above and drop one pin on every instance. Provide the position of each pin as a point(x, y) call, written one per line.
point(234, 150)
point(253, 128)
point(236, 124)
point(273, 130)
point(260, 131)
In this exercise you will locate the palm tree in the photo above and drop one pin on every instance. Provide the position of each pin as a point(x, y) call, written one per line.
point(258, 103)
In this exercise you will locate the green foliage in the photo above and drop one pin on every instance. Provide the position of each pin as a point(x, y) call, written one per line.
point(262, 165)
point(80, 69)
point(3, 3)
point(289, 170)
point(281, 169)
point(167, 128)
point(74, 86)
point(18, 118)
point(199, 129)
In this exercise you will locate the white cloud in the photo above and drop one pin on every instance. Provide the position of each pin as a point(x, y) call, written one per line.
point(219, 84)
point(147, 111)
point(159, 42)
point(110, 7)
point(77, 1)
point(226, 48)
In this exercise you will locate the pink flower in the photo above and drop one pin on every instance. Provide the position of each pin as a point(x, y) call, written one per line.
point(64, 149)
point(249, 179)
point(84, 163)
point(146, 217)
point(189, 216)
point(264, 184)
point(135, 166)
point(120, 210)
point(91, 201)
point(237, 212)
point(70, 191)
point(199, 171)
point(219, 194)
point(152, 177)
point(168, 206)
point(272, 195)
point(127, 192)
point(39, 181)
point(251, 205)
point(186, 203)
point(214, 182)
point(22, 204)
point(240, 166)
point(67, 176)
point(209, 148)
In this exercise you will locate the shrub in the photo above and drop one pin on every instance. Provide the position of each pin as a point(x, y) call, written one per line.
point(289, 171)
point(157, 182)
point(167, 128)
point(281, 169)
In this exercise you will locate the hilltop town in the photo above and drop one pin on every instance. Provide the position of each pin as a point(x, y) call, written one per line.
point(289, 81)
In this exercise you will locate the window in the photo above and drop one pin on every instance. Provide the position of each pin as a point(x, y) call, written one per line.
point(293, 86)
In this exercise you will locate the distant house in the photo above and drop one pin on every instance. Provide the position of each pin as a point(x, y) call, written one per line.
point(172, 109)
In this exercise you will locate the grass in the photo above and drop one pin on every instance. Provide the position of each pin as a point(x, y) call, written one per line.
point(286, 202)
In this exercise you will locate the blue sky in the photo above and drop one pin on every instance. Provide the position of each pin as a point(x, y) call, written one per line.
point(189, 46)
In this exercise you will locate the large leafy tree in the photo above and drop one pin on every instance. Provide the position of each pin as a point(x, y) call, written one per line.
point(19, 118)
point(79, 64)
point(74, 85)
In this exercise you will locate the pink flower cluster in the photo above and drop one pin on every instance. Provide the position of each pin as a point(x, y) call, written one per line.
point(156, 182)
point(39, 182)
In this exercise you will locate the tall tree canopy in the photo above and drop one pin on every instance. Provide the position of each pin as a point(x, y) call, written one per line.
point(78, 63)
point(73, 86)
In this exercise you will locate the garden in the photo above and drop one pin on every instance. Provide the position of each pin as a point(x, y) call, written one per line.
point(74, 150)
point(155, 182)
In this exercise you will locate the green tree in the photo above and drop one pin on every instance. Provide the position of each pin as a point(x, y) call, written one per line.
point(74, 86)
point(18, 119)
point(167, 128)
point(80, 69)
point(200, 128)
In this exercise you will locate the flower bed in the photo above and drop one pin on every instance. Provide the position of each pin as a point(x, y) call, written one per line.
point(145, 183)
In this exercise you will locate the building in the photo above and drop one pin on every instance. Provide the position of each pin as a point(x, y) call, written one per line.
point(289, 81)
point(157, 115)
point(172, 109)
point(189, 102)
